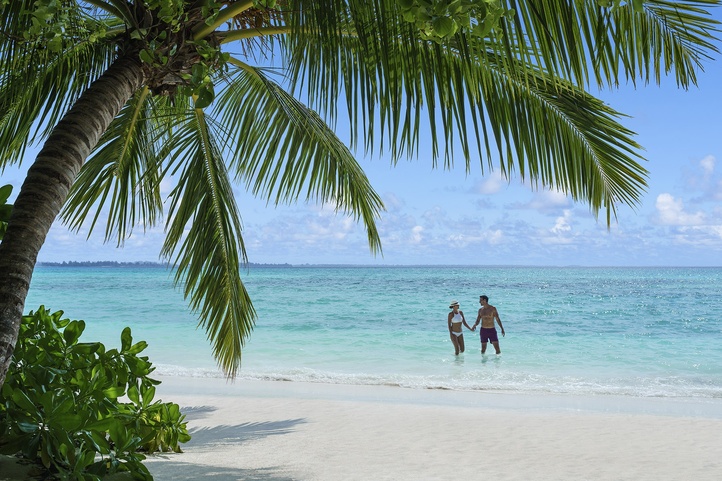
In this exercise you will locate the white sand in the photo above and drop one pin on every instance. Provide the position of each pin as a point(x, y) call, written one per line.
point(279, 431)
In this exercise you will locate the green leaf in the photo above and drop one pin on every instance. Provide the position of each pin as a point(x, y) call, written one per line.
point(199, 71)
point(148, 394)
point(133, 394)
point(137, 348)
point(101, 425)
point(28, 427)
point(68, 421)
point(101, 443)
point(443, 26)
point(204, 99)
point(126, 340)
point(85, 348)
point(114, 392)
point(23, 401)
point(5, 211)
point(73, 331)
point(138, 367)
point(63, 403)
point(5, 192)
point(184, 437)
point(118, 434)
point(146, 57)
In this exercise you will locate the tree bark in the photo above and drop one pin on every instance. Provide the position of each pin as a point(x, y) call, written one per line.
point(46, 188)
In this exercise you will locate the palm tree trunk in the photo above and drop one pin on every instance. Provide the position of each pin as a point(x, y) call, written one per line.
point(46, 188)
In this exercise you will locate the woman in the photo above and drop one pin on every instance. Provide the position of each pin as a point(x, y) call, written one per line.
point(456, 319)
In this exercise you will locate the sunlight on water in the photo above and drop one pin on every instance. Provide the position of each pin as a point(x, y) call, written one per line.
point(629, 331)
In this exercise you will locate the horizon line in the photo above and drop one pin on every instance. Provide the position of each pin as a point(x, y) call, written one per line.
point(69, 263)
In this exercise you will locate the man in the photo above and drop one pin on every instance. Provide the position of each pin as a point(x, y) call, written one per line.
point(486, 316)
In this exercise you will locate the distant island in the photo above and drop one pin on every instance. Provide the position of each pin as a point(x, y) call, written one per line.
point(133, 264)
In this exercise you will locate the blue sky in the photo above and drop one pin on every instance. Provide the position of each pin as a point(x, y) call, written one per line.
point(448, 217)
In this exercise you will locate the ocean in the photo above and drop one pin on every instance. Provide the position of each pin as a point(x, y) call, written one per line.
point(635, 332)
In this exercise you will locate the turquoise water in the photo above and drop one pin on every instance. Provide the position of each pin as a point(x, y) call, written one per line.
point(626, 331)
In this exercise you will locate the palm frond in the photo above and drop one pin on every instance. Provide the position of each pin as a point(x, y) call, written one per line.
point(570, 39)
point(283, 150)
point(35, 92)
point(561, 137)
point(124, 170)
point(119, 9)
point(365, 50)
point(16, 22)
point(204, 240)
point(513, 98)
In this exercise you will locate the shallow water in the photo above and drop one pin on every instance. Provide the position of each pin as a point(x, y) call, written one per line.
point(623, 331)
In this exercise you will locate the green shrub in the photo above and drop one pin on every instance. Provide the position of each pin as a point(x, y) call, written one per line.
point(60, 403)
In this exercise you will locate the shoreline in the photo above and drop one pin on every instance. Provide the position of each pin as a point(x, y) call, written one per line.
point(695, 407)
point(283, 431)
point(297, 431)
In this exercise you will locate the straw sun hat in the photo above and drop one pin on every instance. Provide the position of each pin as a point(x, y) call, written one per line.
point(453, 303)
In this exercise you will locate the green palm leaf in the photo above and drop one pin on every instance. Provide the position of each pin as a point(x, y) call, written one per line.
point(125, 171)
point(624, 43)
point(366, 52)
point(39, 86)
point(205, 241)
point(586, 152)
point(282, 148)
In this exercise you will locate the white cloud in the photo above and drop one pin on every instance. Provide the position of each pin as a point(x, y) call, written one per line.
point(62, 244)
point(495, 237)
point(459, 240)
point(549, 199)
point(708, 164)
point(417, 234)
point(435, 217)
point(562, 223)
point(325, 225)
point(492, 237)
point(670, 211)
point(545, 201)
point(705, 237)
point(490, 185)
point(716, 230)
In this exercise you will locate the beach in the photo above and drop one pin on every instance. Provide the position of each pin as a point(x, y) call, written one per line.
point(265, 430)
point(350, 374)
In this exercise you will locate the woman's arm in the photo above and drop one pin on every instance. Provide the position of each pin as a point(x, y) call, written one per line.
point(463, 319)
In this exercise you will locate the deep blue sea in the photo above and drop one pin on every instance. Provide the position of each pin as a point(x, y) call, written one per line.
point(640, 332)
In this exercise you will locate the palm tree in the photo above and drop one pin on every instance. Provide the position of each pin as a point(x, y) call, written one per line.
point(124, 93)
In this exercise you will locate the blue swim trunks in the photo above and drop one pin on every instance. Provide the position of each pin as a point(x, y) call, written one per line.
point(488, 334)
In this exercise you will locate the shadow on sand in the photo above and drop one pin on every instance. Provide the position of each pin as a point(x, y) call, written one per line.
point(219, 435)
point(178, 471)
point(172, 468)
point(193, 413)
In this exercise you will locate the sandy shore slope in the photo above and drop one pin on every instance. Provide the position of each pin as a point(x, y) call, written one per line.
point(279, 431)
